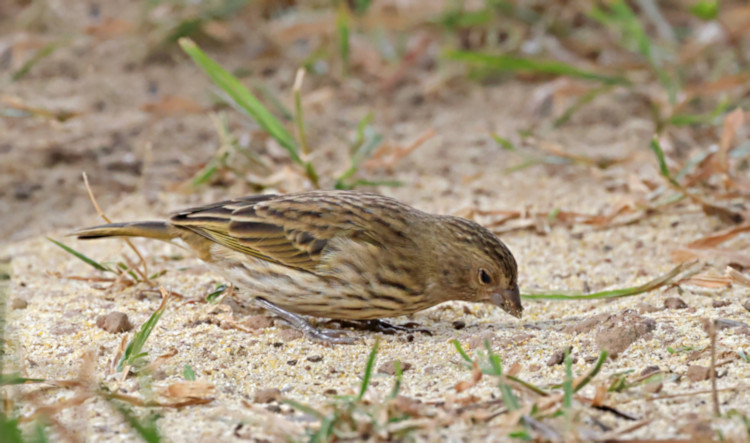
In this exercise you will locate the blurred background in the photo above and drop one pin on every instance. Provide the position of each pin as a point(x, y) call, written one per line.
point(605, 141)
point(443, 102)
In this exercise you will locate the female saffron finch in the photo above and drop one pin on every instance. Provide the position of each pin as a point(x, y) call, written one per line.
point(342, 255)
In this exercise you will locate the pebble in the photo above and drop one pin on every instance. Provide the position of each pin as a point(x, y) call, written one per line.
point(267, 395)
point(389, 367)
point(114, 322)
point(675, 303)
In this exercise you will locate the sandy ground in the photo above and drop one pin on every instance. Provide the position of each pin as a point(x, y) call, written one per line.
point(136, 159)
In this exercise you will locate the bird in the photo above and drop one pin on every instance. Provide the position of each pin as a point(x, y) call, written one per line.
point(339, 254)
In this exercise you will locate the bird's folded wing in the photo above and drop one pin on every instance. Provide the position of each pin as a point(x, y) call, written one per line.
point(295, 232)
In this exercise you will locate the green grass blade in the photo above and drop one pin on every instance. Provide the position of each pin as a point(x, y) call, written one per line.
point(509, 399)
point(41, 54)
point(368, 370)
point(568, 382)
point(188, 373)
point(614, 293)
point(342, 32)
point(397, 383)
point(10, 429)
point(145, 429)
point(89, 261)
point(213, 297)
point(508, 63)
point(304, 408)
point(595, 370)
point(15, 379)
point(135, 346)
point(663, 169)
point(244, 98)
point(504, 142)
point(461, 352)
point(580, 102)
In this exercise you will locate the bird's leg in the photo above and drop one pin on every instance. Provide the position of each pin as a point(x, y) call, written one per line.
point(383, 327)
point(299, 323)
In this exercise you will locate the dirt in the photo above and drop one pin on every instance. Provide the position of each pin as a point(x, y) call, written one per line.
point(140, 162)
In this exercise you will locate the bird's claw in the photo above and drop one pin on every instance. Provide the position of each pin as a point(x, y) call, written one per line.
point(383, 327)
point(329, 336)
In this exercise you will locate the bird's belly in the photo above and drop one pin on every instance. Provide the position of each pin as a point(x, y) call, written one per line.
point(306, 293)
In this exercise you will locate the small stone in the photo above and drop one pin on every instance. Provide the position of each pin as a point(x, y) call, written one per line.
point(390, 367)
point(267, 395)
point(720, 303)
point(698, 373)
point(722, 323)
point(645, 308)
point(330, 392)
point(653, 388)
point(675, 303)
point(585, 325)
point(621, 330)
point(458, 324)
point(477, 341)
point(315, 358)
point(290, 334)
point(559, 356)
point(292, 362)
point(408, 406)
point(746, 304)
point(114, 322)
point(256, 322)
point(19, 303)
point(649, 370)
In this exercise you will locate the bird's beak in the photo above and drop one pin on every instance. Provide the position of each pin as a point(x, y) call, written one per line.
point(509, 300)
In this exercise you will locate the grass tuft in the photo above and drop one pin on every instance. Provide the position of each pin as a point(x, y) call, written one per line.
point(133, 355)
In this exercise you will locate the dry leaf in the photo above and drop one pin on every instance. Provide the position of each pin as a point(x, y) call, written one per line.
point(600, 395)
point(738, 277)
point(719, 237)
point(160, 360)
point(476, 375)
point(110, 28)
point(171, 105)
point(190, 389)
point(683, 255)
point(707, 281)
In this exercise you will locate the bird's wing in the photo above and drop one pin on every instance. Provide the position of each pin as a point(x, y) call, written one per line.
point(296, 230)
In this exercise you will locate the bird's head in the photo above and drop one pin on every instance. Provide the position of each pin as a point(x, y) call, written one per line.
point(477, 266)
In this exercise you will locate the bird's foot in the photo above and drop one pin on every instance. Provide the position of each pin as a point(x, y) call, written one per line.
point(383, 327)
point(301, 324)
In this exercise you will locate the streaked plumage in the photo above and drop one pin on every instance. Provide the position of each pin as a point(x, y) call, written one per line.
point(340, 254)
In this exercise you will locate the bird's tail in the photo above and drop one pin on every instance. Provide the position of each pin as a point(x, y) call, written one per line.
point(159, 230)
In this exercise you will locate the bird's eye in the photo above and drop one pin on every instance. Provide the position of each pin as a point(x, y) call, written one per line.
point(484, 277)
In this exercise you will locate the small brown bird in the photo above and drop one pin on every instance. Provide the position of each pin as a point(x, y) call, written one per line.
point(342, 255)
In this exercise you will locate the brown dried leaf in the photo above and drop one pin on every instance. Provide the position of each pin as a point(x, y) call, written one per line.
point(398, 152)
point(600, 395)
point(683, 255)
point(160, 360)
point(110, 28)
point(515, 369)
point(737, 276)
point(172, 105)
point(476, 375)
point(195, 389)
point(719, 237)
point(708, 281)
